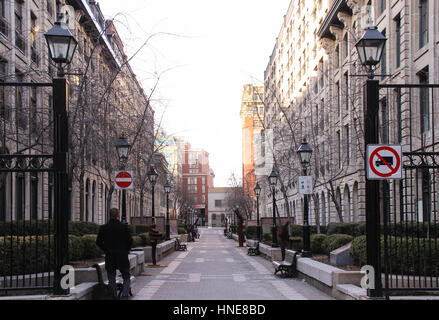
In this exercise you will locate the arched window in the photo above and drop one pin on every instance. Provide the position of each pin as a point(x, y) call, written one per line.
point(87, 200)
point(20, 196)
point(347, 204)
point(34, 196)
point(355, 203)
point(93, 202)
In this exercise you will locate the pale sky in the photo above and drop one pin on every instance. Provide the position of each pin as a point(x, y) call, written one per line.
point(205, 51)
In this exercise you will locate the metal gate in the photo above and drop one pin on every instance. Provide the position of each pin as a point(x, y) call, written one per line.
point(33, 189)
point(409, 207)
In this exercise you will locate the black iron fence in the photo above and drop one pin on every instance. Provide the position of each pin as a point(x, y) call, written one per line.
point(33, 189)
point(409, 207)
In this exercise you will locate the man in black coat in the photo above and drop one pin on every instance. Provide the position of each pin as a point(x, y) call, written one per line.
point(115, 240)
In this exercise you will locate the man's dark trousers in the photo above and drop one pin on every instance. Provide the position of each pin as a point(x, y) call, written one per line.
point(115, 240)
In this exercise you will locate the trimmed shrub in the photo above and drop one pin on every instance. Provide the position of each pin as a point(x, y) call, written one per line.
point(181, 230)
point(76, 248)
point(139, 229)
point(354, 229)
point(296, 243)
point(317, 243)
point(407, 256)
point(91, 250)
point(80, 228)
point(145, 239)
point(296, 230)
point(335, 241)
point(358, 251)
point(137, 241)
point(267, 237)
point(251, 232)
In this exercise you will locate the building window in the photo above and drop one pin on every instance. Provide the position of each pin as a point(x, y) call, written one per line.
point(382, 6)
point(33, 33)
point(4, 110)
point(423, 23)
point(33, 110)
point(348, 145)
point(20, 116)
point(218, 203)
point(49, 7)
point(34, 196)
point(337, 56)
point(339, 148)
point(384, 57)
point(3, 22)
point(398, 41)
point(424, 101)
point(20, 193)
point(346, 79)
point(399, 114)
point(346, 46)
point(19, 37)
point(337, 85)
point(384, 122)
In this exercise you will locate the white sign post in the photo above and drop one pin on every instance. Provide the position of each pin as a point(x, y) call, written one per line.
point(305, 185)
point(384, 162)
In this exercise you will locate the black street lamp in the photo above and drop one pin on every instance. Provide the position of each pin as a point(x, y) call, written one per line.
point(305, 153)
point(370, 50)
point(272, 179)
point(152, 176)
point(257, 190)
point(123, 149)
point(62, 46)
point(167, 191)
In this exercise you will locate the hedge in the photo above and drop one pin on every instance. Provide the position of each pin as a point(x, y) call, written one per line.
point(296, 243)
point(297, 230)
point(181, 230)
point(145, 239)
point(317, 243)
point(137, 241)
point(24, 255)
point(251, 232)
point(335, 241)
point(45, 227)
point(354, 229)
point(267, 237)
point(406, 257)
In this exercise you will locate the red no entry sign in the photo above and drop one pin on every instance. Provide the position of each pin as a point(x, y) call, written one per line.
point(123, 180)
point(384, 162)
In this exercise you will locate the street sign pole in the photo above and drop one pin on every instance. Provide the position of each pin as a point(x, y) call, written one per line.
point(372, 190)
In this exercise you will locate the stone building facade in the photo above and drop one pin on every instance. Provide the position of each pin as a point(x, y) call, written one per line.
point(106, 101)
point(314, 89)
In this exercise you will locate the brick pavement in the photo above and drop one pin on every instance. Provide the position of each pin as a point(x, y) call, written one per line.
point(214, 268)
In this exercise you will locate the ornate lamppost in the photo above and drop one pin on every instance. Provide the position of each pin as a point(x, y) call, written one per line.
point(167, 191)
point(370, 50)
point(123, 149)
point(62, 46)
point(305, 153)
point(272, 179)
point(257, 190)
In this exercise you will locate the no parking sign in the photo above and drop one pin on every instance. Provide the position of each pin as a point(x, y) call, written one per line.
point(384, 162)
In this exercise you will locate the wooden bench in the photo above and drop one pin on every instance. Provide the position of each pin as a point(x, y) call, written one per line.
point(288, 267)
point(104, 291)
point(180, 246)
point(253, 249)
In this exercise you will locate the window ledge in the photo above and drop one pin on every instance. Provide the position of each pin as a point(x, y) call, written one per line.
point(421, 52)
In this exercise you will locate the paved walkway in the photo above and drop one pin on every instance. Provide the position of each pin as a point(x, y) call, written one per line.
point(214, 268)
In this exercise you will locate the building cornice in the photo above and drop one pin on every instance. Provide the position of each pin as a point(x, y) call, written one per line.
point(332, 19)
